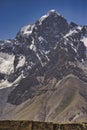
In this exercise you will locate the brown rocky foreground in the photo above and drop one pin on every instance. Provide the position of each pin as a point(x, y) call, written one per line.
point(31, 125)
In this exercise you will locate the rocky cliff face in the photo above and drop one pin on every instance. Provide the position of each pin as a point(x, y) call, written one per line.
point(43, 72)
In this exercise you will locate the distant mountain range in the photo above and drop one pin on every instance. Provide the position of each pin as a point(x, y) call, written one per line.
point(43, 72)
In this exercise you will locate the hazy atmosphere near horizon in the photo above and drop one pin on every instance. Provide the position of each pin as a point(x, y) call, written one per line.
point(17, 13)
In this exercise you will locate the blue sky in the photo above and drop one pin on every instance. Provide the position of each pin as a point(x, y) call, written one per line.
point(16, 13)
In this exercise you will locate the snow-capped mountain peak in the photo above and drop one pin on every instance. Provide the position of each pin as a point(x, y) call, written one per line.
point(50, 13)
point(53, 12)
point(40, 65)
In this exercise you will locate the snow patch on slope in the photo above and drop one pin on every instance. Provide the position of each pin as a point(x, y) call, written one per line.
point(27, 30)
point(84, 40)
point(79, 27)
point(6, 63)
point(32, 46)
point(21, 62)
point(41, 39)
point(70, 33)
point(42, 18)
point(7, 84)
point(73, 31)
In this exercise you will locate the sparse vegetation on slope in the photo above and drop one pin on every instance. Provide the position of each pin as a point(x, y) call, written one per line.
point(30, 125)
